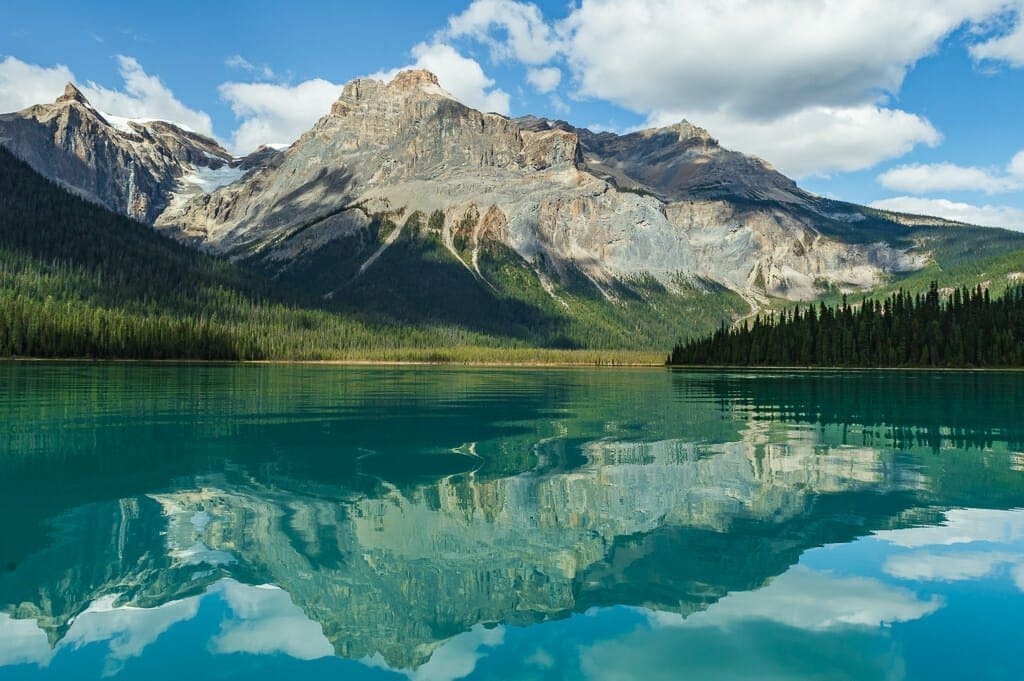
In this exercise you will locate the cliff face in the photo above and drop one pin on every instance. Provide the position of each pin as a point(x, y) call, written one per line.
point(134, 167)
point(569, 204)
point(668, 202)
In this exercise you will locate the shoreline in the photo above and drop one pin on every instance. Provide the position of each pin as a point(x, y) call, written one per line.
point(499, 364)
point(345, 362)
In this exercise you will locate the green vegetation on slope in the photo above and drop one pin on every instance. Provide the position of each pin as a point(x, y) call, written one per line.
point(418, 281)
point(969, 329)
point(79, 281)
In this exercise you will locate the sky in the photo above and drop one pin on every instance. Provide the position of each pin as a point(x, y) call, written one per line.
point(912, 105)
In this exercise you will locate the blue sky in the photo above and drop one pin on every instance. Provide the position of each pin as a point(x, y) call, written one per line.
point(912, 105)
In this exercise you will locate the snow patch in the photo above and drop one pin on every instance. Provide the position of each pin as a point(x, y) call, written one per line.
point(120, 123)
point(211, 179)
point(125, 124)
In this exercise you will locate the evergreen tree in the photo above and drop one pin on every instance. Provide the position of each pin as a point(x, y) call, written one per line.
point(967, 328)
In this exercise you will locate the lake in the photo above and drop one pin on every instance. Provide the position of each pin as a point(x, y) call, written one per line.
point(162, 521)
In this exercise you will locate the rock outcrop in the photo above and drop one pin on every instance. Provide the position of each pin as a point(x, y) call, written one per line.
point(134, 167)
point(668, 202)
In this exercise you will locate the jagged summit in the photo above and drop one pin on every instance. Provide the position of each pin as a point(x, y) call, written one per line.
point(667, 202)
point(136, 167)
point(72, 94)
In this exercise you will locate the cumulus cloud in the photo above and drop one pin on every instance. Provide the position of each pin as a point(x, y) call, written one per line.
point(145, 96)
point(811, 600)
point(127, 630)
point(142, 96)
point(782, 630)
point(276, 114)
point(525, 35)
point(23, 642)
point(759, 60)
point(237, 61)
point(986, 216)
point(459, 75)
point(544, 79)
point(819, 140)
point(455, 659)
point(948, 567)
point(265, 621)
point(782, 78)
point(1007, 45)
point(22, 85)
point(962, 526)
point(924, 178)
point(1016, 166)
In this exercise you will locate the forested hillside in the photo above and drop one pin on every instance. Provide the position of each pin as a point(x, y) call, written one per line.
point(966, 328)
point(79, 281)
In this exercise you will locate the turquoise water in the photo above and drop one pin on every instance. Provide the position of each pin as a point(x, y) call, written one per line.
point(316, 522)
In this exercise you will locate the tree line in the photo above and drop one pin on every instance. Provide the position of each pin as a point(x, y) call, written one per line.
point(963, 328)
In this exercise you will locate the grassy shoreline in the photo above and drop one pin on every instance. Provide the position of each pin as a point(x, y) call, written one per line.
point(466, 356)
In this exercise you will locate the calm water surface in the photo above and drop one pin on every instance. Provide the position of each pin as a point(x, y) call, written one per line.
point(278, 522)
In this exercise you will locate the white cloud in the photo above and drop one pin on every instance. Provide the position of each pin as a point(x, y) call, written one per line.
point(145, 96)
point(1007, 46)
point(266, 621)
point(758, 60)
point(805, 85)
point(811, 600)
point(263, 621)
point(924, 178)
point(461, 76)
point(237, 61)
point(455, 659)
point(962, 526)
point(22, 84)
point(558, 104)
point(127, 630)
point(544, 79)
point(1016, 166)
point(820, 140)
point(526, 36)
point(23, 642)
point(987, 216)
point(277, 114)
point(948, 567)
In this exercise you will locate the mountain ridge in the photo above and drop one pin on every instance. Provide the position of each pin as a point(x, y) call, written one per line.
point(403, 205)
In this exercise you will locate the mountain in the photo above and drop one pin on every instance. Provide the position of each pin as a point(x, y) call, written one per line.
point(668, 203)
point(134, 167)
point(403, 206)
point(79, 281)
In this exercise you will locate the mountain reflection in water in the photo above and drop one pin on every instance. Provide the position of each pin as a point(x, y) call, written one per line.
point(505, 524)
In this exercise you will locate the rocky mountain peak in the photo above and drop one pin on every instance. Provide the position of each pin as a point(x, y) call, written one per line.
point(413, 78)
point(72, 94)
point(689, 131)
point(406, 84)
